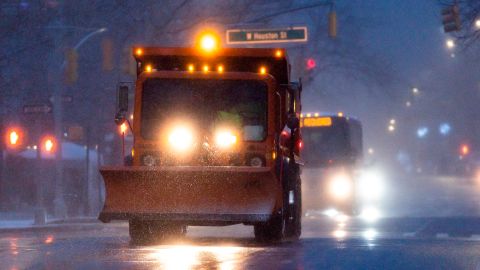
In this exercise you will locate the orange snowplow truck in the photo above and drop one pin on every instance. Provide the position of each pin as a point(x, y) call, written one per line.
point(207, 148)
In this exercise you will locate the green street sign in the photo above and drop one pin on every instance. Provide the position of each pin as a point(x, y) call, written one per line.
point(250, 36)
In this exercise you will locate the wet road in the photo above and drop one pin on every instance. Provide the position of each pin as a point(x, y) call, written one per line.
point(438, 229)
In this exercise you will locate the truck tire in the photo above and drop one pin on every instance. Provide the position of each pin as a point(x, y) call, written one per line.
point(287, 223)
point(152, 231)
point(293, 213)
point(271, 231)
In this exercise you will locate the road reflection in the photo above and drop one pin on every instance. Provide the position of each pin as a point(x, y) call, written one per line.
point(188, 256)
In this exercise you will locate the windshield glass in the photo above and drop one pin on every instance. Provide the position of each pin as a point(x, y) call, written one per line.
point(323, 144)
point(241, 104)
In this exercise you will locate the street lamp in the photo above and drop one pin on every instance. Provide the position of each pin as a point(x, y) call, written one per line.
point(415, 90)
point(477, 23)
point(450, 43)
point(83, 40)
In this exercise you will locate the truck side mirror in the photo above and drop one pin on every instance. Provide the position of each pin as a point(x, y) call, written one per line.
point(293, 122)
point(122, 104)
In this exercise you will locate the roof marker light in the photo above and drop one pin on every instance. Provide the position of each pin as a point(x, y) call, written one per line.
point(208, 42)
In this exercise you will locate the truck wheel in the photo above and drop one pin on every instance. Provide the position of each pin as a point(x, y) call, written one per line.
point(293, 213)
point(152, 231)
point(271, 231)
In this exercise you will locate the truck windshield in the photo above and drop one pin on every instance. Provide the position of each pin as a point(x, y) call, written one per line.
point(206, 103)
point(325, 144)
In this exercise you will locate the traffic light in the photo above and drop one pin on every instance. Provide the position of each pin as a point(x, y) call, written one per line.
point(107, 51)
point(310, 64)
point(451, 18)
point(14, 138)
point(71, 57)
point(332, 24)
point(464, 149)
point(48, 144)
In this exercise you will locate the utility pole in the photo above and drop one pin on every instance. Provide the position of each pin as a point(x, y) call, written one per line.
point(56, 73)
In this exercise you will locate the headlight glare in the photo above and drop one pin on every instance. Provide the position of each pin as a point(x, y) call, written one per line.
point(225, 139)
point(371, 185)
point(181, 139)
point(341, 186)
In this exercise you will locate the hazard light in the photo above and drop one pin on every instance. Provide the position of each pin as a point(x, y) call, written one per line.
point(278, 53)
point(263, 70)
point(148, 68)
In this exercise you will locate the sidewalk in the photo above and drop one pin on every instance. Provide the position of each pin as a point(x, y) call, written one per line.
point(16, 222)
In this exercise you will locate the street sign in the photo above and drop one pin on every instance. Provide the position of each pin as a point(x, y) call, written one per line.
point(75, 133)
point(252, 36)
point(66, 99)
point(36, 109)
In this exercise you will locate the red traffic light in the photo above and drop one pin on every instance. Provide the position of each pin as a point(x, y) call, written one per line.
point(311, 64)
point(49, 144)
point(14, 137)
point(464, 149)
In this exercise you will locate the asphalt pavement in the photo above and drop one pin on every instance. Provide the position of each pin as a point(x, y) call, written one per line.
point(426, 224)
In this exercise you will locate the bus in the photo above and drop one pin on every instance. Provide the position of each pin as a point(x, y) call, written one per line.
point(332, 152)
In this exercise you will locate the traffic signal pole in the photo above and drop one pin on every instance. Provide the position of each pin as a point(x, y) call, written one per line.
point(59, 202)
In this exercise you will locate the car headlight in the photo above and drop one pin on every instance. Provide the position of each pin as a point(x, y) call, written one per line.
point(341, 186)
point(225, 139)
point(181, 139)
point(371, 185)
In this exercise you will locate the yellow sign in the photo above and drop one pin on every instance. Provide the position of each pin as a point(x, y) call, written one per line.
point(317, 122)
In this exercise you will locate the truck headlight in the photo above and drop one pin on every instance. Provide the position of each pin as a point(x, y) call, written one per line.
point(341, 186)
point(225, 139)
point(181, 139)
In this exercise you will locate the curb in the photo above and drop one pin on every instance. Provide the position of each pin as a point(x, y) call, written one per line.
point(59, 226)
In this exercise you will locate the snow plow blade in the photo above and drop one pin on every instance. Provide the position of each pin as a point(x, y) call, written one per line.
point(190, 194)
